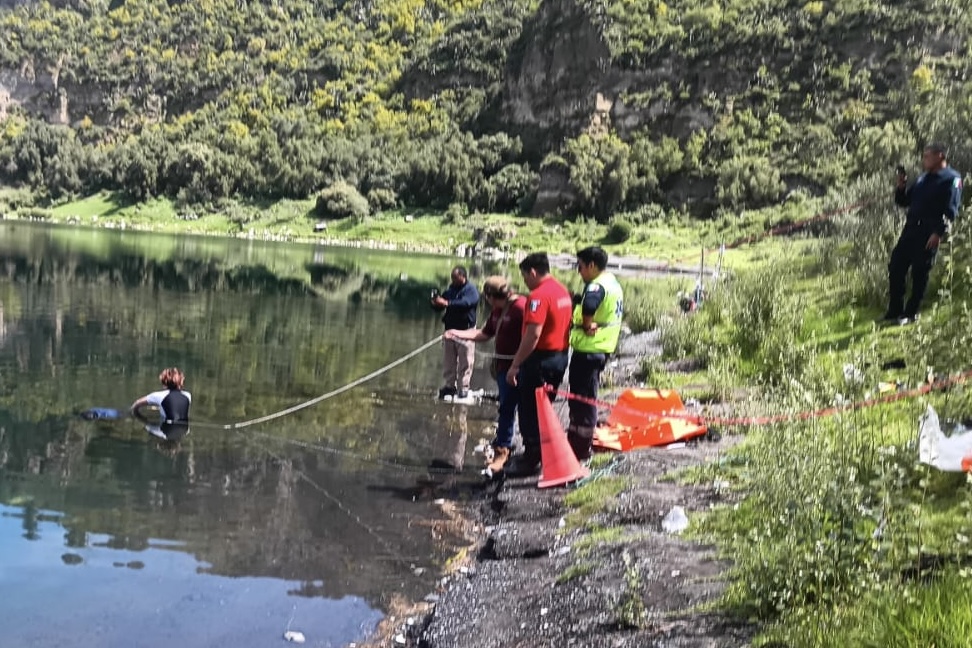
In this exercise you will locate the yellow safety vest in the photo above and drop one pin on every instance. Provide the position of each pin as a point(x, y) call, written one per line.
point(607, 317)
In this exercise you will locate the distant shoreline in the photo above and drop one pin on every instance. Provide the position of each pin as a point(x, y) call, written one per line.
point(629, 266)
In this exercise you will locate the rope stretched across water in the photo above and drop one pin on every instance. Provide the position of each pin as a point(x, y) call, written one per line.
point(335, 392)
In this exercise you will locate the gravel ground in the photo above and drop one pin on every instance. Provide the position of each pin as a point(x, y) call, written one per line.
point(512, 588)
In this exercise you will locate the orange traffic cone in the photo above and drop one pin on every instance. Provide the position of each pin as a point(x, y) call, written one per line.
point(560, 466)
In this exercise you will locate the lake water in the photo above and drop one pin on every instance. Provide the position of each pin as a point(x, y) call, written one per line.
point(316, 521)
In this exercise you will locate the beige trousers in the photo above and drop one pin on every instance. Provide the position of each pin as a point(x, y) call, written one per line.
point(458, 358)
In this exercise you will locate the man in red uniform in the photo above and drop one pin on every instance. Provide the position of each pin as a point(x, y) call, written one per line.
point(542, 356)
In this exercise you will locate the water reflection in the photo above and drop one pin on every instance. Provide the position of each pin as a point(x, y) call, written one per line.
point(104, 594)
point(329, 506)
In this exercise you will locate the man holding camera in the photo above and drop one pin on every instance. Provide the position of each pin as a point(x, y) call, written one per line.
point(459, 301)
point(933, 203)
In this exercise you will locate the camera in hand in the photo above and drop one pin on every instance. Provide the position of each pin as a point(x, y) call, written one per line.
point(435, 293)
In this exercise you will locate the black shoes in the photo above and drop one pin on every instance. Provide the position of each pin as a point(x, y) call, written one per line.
point(900, 319)
point(524, 465)
point(446, 391)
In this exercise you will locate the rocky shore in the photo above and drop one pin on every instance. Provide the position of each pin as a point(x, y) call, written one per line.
point(542, 573)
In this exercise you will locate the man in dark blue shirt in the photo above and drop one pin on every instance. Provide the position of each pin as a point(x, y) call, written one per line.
point(460, 301)
point(933, 203)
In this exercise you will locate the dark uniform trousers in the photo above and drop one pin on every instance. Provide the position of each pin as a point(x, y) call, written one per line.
point(909, 252)
point(585, 378)
point(539, 369)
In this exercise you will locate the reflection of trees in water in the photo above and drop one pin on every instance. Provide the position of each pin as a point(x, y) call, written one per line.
point(181, 275)
point(244, 357)
point(83, 332)
point(243, 510)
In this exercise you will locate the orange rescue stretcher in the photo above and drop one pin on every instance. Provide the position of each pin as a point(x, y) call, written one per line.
point(638, 420)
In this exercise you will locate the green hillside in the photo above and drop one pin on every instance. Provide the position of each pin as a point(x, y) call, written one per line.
point(575, 107)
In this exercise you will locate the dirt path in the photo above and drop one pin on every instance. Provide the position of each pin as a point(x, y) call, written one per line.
point(515, 592)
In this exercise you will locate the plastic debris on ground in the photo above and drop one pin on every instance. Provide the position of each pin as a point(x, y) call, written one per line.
point(952, 453)
point(676, 521)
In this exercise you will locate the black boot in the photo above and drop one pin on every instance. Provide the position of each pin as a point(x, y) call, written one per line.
point(524, 465)
point(581, 441)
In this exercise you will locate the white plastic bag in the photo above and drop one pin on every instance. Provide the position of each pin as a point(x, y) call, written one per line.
point(676, 521)
point(936, 449)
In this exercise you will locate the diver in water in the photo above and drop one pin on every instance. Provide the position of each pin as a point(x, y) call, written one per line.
point(173, 405)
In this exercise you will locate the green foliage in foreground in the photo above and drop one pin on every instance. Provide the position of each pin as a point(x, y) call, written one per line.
point(839, 537)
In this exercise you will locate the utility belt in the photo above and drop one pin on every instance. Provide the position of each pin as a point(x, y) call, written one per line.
point(599, 325)
point(544, 354)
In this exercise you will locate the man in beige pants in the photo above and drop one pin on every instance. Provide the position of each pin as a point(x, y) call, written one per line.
point(459, 301)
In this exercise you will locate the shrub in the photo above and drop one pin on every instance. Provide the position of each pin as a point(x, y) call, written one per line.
point(380, 199)
point(456, 214)
point(341, 200)
point(34, 213)
point(619, 231)
point(510, 187)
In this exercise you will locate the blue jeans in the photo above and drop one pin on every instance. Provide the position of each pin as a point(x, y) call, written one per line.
point(509, 398)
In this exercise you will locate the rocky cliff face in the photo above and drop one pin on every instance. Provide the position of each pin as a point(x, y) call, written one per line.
point(561, 79)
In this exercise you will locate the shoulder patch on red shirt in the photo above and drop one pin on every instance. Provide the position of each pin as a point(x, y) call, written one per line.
point(534, 305)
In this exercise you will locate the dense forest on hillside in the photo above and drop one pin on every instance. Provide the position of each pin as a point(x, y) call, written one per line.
point(578, 107)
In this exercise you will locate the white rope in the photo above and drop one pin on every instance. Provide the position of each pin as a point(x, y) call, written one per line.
point(483, 354)
point(335, 392)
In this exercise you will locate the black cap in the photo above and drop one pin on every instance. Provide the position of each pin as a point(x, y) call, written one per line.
point(937, 147)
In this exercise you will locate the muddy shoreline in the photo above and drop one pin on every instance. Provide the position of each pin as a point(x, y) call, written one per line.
point(532, 576)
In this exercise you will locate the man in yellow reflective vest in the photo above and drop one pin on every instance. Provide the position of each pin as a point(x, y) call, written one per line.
point(594, 336)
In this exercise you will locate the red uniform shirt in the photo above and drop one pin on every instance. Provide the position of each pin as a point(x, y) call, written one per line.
point(551, 307)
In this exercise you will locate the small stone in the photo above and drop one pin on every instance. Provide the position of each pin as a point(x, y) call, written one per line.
point(543, 611)
point(295, 637)
point(439, 502)
point(418, 571)
point(410, 621)
point(399, 639)
point(676, 573)
point(432, 598)
point(562, 523)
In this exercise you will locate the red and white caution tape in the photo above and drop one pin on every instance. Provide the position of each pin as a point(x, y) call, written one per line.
point(779, 418)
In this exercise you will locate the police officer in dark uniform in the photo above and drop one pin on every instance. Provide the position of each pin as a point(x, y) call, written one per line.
point(933, 203)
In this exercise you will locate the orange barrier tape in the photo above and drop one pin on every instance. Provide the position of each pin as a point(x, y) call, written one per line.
point(783, 418)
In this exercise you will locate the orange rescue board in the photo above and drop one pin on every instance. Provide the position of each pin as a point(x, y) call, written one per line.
point(638, 420)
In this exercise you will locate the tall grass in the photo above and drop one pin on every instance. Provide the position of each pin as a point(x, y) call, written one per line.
point(841, 538)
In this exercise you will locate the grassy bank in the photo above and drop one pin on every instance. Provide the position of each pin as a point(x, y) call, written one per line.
point(838, 536)
point(672, 239)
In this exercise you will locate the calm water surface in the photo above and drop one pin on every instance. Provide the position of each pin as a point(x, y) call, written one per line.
point(315, 521)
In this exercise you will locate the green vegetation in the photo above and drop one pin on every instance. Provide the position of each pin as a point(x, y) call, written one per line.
point(629, 609)
point(577, 570)
point(837, 535)
point(595, 537)
point(709, 109)
point(591, 498)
